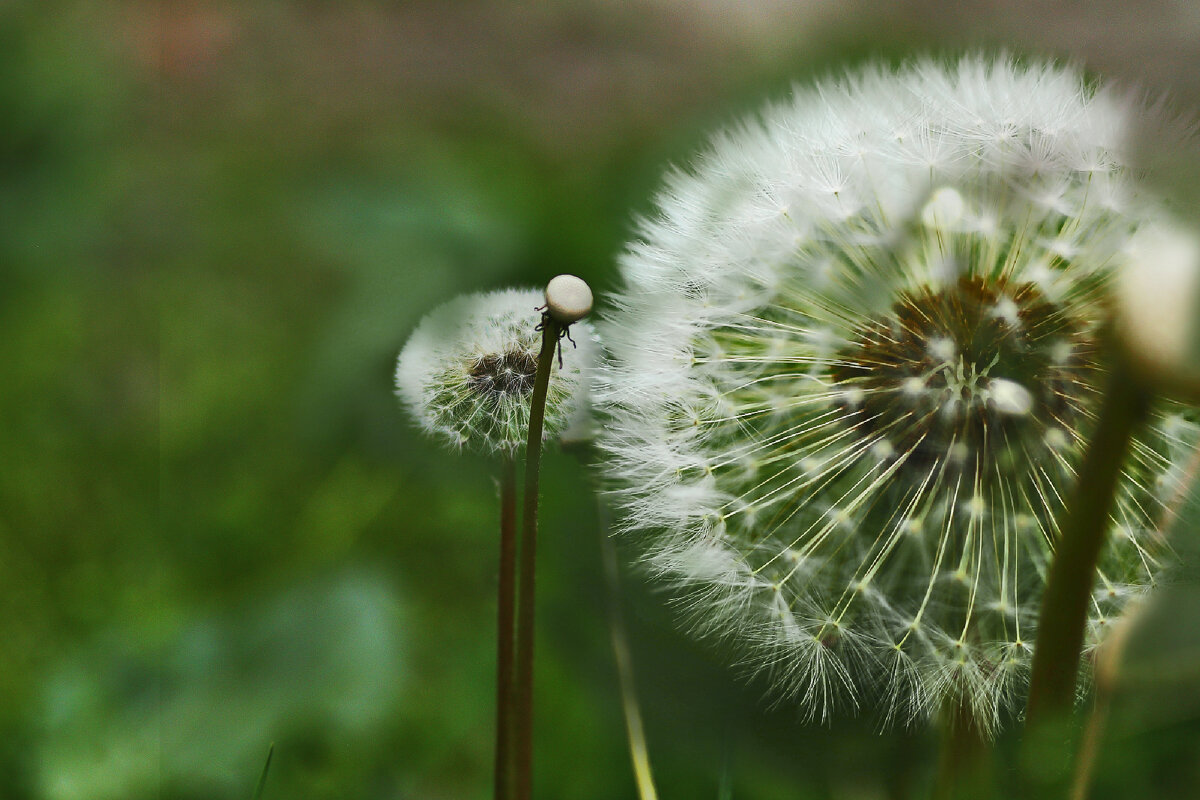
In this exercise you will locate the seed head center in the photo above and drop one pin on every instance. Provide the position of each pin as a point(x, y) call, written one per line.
point(511, 372)
point(967, 371)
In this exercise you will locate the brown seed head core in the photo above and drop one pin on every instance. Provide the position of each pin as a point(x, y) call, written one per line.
point(967, 372)
point(511, 372)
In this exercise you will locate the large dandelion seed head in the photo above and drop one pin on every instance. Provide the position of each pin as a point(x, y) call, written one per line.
point(852, 368)
point(467, 372)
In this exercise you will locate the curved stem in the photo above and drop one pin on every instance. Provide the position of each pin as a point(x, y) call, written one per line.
point(1068, 589)
point(525, 589)
point(505, 628)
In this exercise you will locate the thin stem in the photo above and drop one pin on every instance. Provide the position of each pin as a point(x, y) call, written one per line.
point(505, 628)
point(1089, 748)
point(1069, 587)
point(262, 778)
point(963, 770)
point(1108, 663)
point(638, 752)
point(525, 588)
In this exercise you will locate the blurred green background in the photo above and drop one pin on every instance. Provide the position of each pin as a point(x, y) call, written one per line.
point(218, 223)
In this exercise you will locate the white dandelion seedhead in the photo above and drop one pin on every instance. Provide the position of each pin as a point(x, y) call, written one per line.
point(1158, 306)
point(466, 374)
point(852, 369)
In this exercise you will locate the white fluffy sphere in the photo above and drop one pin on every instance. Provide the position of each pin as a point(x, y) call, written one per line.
point(852, 368)
point(466, 374)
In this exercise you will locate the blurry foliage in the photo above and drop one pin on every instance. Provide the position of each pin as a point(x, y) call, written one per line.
point(319, 669)
point(218, 223)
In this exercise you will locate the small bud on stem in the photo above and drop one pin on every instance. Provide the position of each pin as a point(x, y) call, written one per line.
point(1158, 300)
point(568, 299)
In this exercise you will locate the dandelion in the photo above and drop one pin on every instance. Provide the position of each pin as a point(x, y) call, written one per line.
point(467, 372)
point(857, 354)
point(470, 375)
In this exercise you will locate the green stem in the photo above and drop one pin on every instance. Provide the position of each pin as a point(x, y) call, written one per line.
point(1069, 586)
point(1108, 662)
point(963, 767)
point(525, 589)
point(505, 627)
point(639, 754)
point(262, 778)
point(1089, 748)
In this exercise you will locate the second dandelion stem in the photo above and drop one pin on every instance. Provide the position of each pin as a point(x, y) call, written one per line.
point(506, 612)
point(1068, 589)
point(525, 589)
point(964, 771)
point(638, 751)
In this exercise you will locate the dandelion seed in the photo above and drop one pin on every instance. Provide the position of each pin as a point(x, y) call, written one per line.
point(476, 373)
point(909, 358)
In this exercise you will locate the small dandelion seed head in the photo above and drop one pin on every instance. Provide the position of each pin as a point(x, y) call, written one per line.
point(910, 358)
point(467, 372)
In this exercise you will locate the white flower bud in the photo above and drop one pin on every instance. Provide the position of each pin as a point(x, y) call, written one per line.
point(1158, 306)
point(568, 299)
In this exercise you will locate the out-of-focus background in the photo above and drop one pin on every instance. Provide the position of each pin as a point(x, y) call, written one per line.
point(218, 223)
